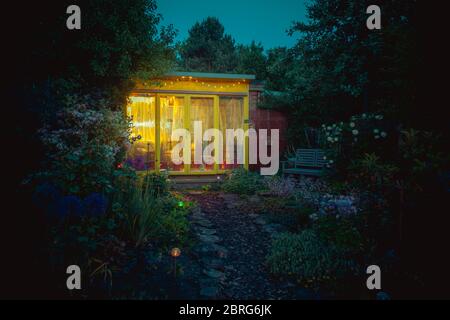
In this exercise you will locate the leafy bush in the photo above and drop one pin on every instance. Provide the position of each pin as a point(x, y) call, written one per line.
point(241, 181)
point(372, 174)
point(83, 233)
point(293, 218)
point(156, 184)
point(341, 231)
point(422, 156)
point(99, 232)
point(273, 205)
point(308, 259)
point(149, 219)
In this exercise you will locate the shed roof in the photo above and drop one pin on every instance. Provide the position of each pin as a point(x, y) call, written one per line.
point(207, 75)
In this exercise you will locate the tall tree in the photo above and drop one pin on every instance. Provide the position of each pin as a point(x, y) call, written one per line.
point(252, 60)
point(342, 67)
point(208, 48)
point(279, 64)
point(118, 42)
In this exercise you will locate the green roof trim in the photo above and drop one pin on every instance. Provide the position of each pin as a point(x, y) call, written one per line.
point(207, 75)
point(275, 93)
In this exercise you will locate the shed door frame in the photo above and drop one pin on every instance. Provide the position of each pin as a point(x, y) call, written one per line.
point(186, 113)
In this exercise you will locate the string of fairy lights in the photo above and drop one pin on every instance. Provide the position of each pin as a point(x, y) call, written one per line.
point(206, 84)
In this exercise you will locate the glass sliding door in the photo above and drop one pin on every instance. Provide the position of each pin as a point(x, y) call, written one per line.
point(141, 155)
point(231, 117)
point(171, 118)
point(152, 130)
point(202, 112)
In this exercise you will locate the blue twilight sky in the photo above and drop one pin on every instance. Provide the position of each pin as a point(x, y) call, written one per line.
point(264, 21)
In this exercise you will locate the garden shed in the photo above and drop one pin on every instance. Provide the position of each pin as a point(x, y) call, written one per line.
point(176, 101)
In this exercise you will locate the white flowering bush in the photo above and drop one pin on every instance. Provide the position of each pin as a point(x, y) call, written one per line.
point(85, 146)
point(348, 141)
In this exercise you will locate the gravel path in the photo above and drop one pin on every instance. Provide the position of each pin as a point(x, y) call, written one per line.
point(242, 240)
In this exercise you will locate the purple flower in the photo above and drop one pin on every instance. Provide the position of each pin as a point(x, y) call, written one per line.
point(68, 206)
point(95, 205)
point(45, 195)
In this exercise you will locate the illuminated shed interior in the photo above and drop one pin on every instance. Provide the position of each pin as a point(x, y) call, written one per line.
point(175, 101)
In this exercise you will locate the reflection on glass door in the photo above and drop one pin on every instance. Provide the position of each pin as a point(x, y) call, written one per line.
point(231, 117)
point(202, 109)
point(171, 118)
point(141, 155)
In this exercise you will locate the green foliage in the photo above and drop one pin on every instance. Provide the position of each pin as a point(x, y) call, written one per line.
point(279, 65)
point(302, 215)
point(422, 151)
point(206, 187)
point(147, 218)
point(371, 173)
point(90, 242)
point(338, 61)
point(242, 181)
point(119, 43)
point(343, 232)
point(294, 218)
point(141, 215)
point(252, 60)
point(308, 259)
point(337, 68)
point(156, 184)
point(209, 49)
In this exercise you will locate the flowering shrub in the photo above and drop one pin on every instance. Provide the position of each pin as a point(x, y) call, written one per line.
point(85, 146)
point(279, 186)
point(56, 205)
point(310, 191)
point(320, 196)
point(342, 205)
point(348, 141)
point(105, 234)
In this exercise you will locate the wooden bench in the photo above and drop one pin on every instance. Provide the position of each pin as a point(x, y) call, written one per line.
point(307, 162)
